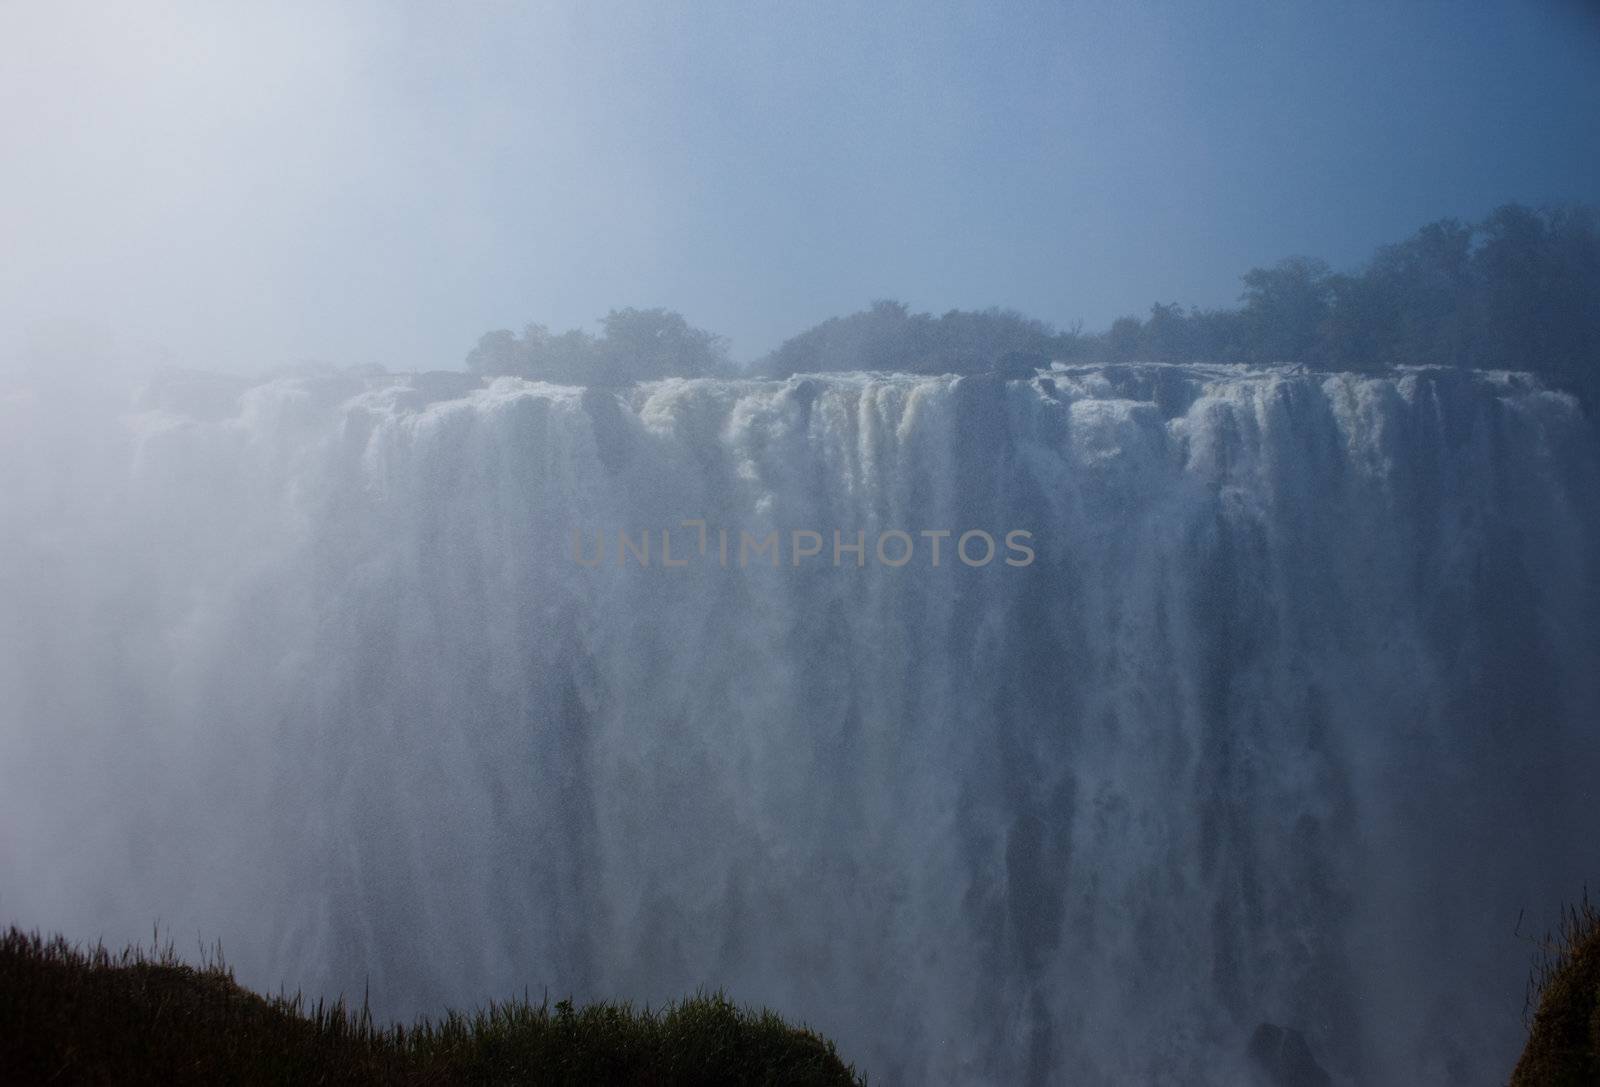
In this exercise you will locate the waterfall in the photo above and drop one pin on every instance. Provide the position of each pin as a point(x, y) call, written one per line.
point(1288, 715)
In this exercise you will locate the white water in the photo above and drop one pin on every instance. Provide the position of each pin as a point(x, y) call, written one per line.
point(1293, 714)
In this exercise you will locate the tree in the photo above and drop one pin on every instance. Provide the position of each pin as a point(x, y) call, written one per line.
point(1122, 342)
point(1536, 295)
point(634, 345)
point(889, 336)
point(1168, 335)
point(1520, 290)
point(1285, 307)
point(1356, 333)
point(641, 345)
point(1414, 297)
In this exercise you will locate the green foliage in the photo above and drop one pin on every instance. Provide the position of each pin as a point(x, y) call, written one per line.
point(633, 345)
point(1285, 307)
point(70, 1015)
point(1125, 340)
point(888, 336)
point(1564, 1037)
point(1519, 291)
point(1413, 301)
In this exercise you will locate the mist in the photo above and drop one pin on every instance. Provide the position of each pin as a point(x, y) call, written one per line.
point(244, 187)
point(1048, 548)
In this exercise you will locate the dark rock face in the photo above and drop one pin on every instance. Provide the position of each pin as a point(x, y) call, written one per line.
point(1284, 1058)
point(1020, 365)
point(612, 439)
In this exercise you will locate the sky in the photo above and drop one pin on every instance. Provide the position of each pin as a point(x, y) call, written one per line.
point(242, 187)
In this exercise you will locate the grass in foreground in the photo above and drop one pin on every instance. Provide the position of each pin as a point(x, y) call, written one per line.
point(72, 1015)
point(1564, 1038)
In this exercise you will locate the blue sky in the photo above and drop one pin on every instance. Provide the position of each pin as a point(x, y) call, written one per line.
point(244, 186)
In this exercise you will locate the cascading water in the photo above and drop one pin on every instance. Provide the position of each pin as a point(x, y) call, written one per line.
point(1292, 713)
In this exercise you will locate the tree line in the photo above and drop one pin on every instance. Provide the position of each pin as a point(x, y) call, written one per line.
point(633, 345)
point(1519, 290)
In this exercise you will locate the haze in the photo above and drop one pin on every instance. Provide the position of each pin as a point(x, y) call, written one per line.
point(228, 187)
